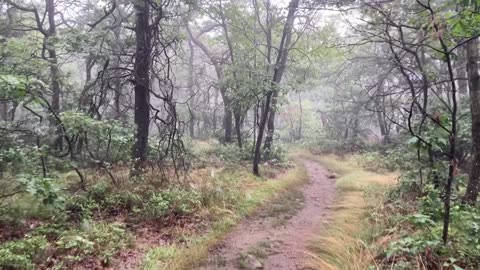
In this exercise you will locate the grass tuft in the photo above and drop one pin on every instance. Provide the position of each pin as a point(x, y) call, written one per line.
point(257, 192)
point(343, 244)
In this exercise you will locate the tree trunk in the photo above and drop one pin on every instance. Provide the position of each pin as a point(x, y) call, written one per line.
point(271, 123)
point(381, 122)
point(255, 125)
point(142, 82)
point(54, 72)
point(191, 125)
point(214, 115)
point(474, 89)
point(345, 133)
point(117, 85)
point(190, 88)
point(4, 110)
point(462, 73)
point(227, 121)
point(227, 116)
point(279, 69)
point(117, 74)
point(355, 129)
point(85, 100)
point(238, 127)
point(261, 131)
point(300, 120)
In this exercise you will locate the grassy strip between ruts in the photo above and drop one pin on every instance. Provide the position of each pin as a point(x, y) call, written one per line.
point(344, 243)
point(258, 193)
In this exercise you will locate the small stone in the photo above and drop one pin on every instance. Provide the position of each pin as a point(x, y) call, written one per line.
point(332, 176)
point(253, 263)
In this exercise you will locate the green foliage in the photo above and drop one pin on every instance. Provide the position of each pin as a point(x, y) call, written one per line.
point(466, 22)
point(100, 239)
point(224, 190)
point(23, 253)
point(152, 205)
point(18, 51)
point(173, 201)
point(102, 198)
point(414, 209)
point(80, 207)
point(108, 140)
point(44, 188)
point(421, 233)
point(394, 158)
point(23, 159)
point(123, 200)
point(418, 225)
point(156, 207)
point(35, 197)
point(231, 152)
point(327, 146)
point(13, 87)
point(276, 154)
point(374, 161)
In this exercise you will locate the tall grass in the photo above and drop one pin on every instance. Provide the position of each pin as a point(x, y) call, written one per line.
point(344, 243)
point(258, 192)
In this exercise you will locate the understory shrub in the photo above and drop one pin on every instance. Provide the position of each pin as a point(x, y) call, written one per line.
point(412, 219)
point(102, 240)
point(231, 153)
point(328, 146)
point(277, 154)
point(32, 197)
point(390, 158)
point(418, 233)
point(23, 253)
point(224, 190)
point(174, 201)
point(149, 205)
point(90, 239)
point(373, 161)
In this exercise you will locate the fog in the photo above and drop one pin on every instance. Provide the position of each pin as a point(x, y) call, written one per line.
point(171, 134)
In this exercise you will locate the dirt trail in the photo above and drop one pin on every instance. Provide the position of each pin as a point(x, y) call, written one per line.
point(277, 241)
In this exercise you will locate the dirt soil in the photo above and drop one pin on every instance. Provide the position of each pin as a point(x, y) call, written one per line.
point(277, 238)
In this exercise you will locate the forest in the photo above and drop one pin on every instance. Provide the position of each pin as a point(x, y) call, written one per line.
point(240, 134)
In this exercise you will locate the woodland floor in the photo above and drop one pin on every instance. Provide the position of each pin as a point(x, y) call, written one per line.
point(277, 237)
